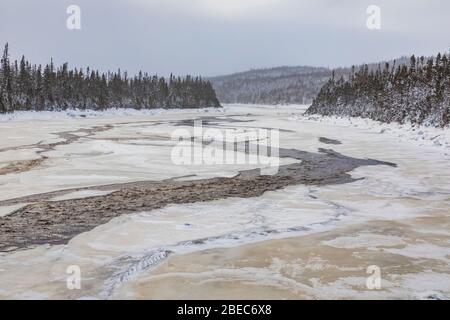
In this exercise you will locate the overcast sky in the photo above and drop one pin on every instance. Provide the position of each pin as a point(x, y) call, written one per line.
point(212, 37)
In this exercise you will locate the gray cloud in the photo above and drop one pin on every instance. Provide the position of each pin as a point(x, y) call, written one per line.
point(220, 36)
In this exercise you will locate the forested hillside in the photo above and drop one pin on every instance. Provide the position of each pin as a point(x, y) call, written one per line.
point(418, 93)
point(24, 86)
point(283, 85)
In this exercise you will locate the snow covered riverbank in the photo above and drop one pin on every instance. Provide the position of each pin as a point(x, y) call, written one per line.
point(420, 135)
point(108, 113)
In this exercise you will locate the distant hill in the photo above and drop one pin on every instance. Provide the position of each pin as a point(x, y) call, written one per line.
point(281, 85)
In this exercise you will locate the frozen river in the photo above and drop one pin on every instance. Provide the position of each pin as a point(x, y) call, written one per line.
point(302, 241)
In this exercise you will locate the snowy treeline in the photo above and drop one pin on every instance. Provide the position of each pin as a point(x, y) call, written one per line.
point(24, 86)
point(283, 85)
point(418, 93)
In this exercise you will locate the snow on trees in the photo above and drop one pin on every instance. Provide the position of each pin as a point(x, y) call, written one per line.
point(29, 87)
point(418, 93)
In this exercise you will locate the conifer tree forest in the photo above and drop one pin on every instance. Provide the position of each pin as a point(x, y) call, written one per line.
point(418, 93)
point(26, 86)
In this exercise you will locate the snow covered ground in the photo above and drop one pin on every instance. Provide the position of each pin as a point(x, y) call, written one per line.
point(299, 242)
point(420, 135)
